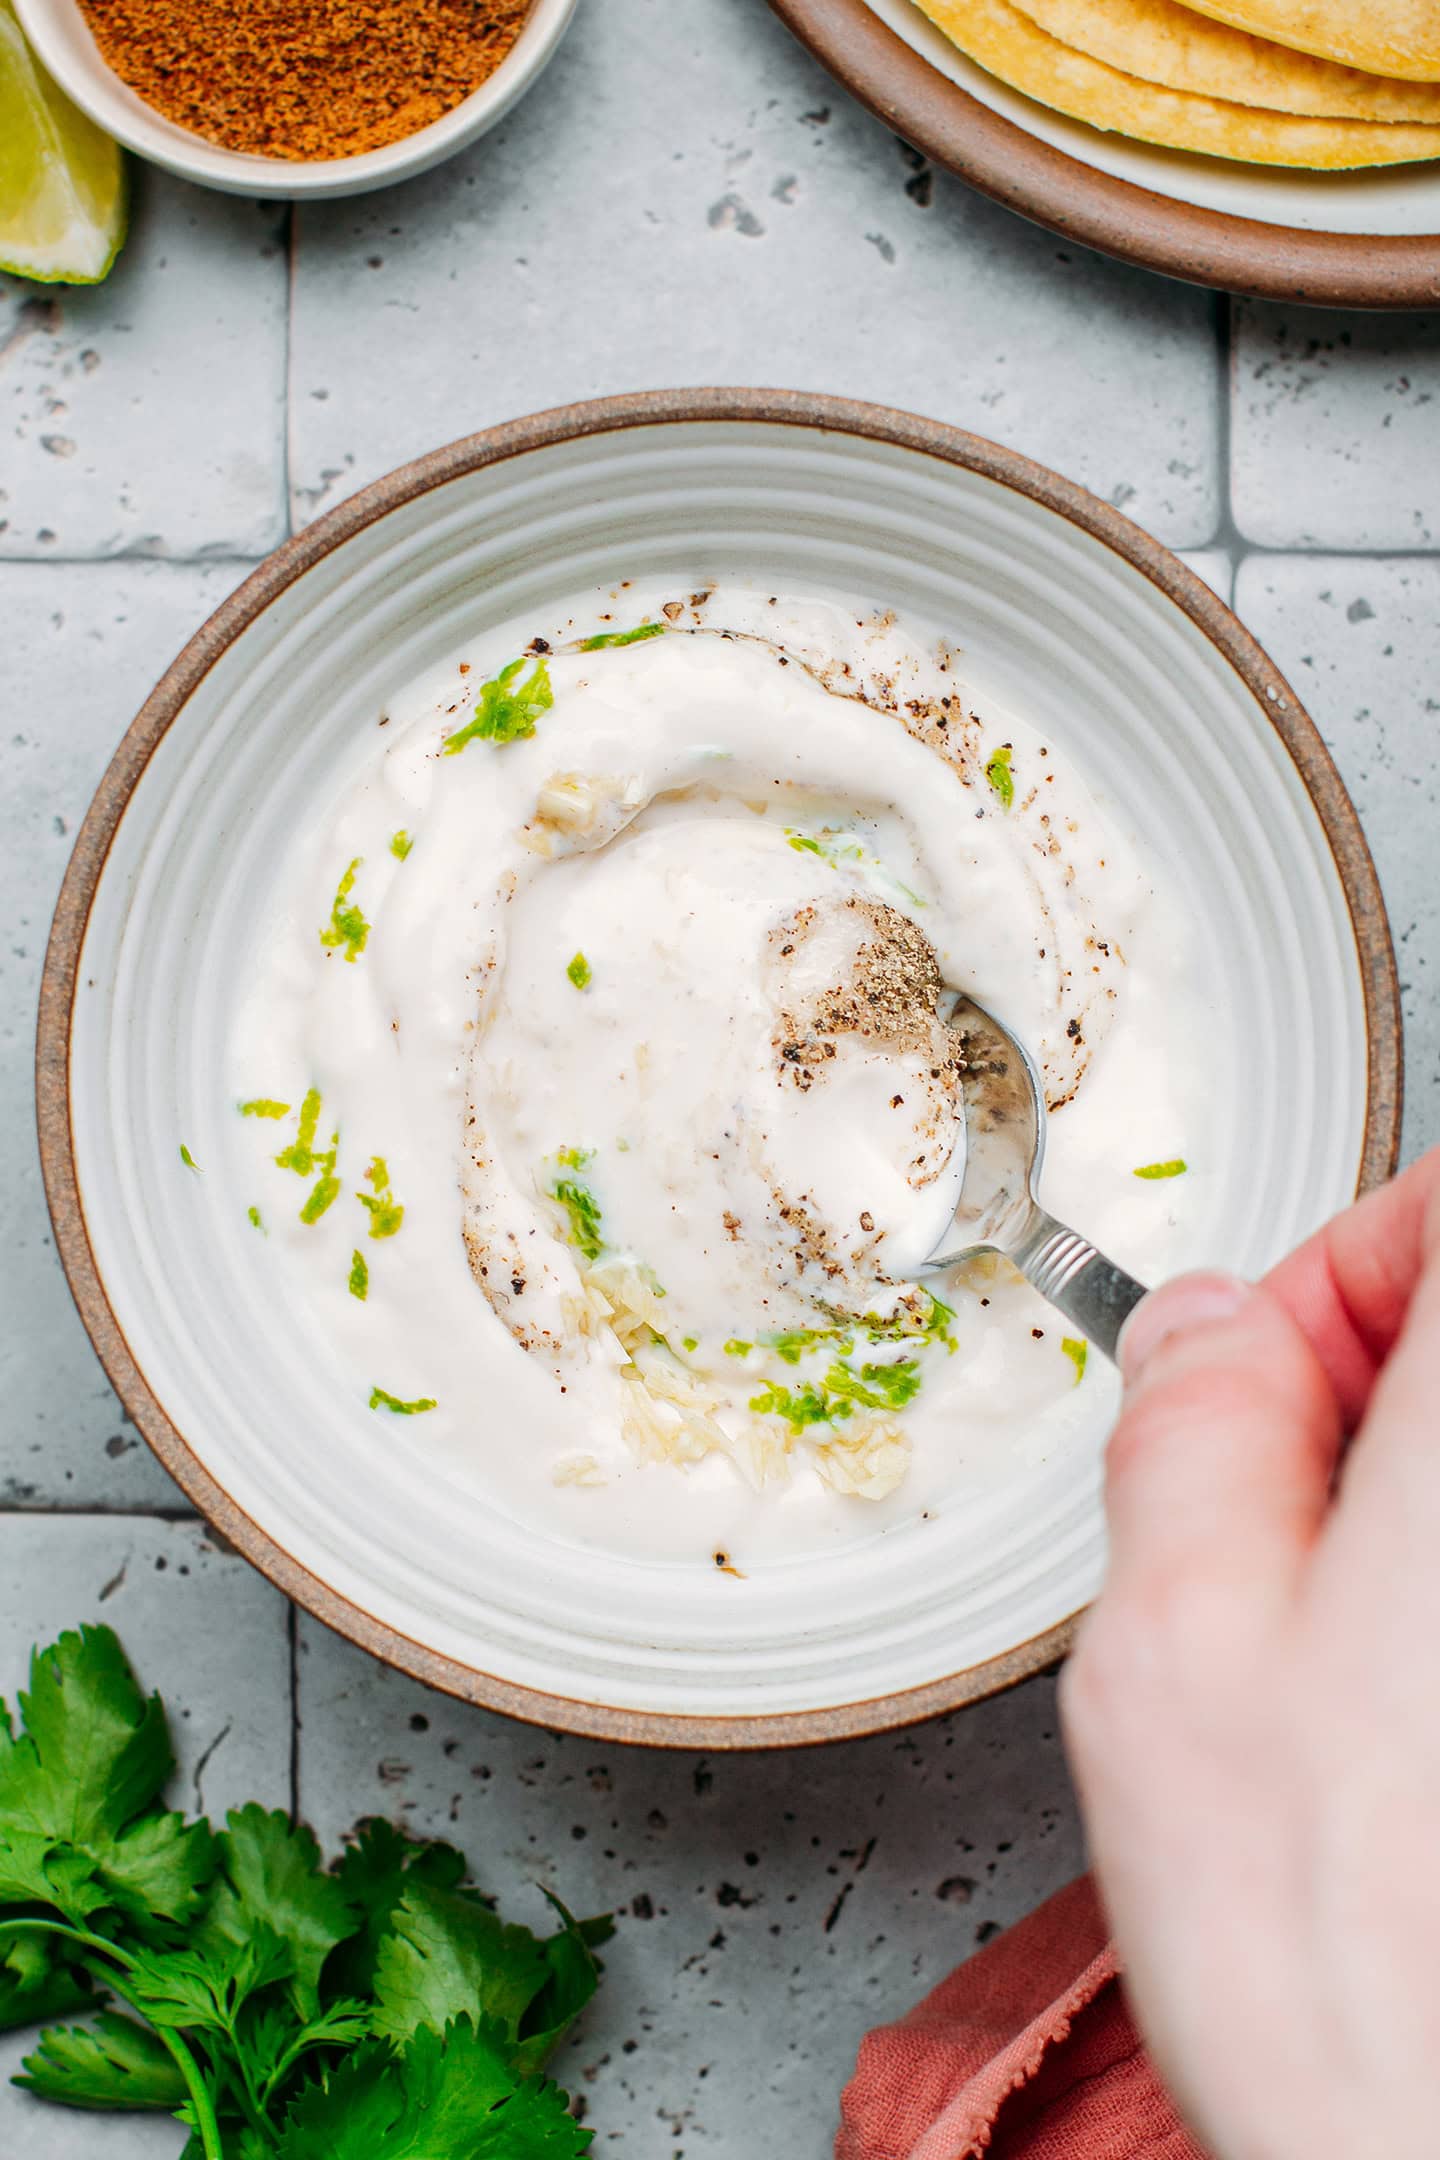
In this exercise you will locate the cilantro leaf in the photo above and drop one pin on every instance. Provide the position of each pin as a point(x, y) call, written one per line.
point(94, 1755)
point(385, 1211)
point(37, 1982)
point(271, 1877)
point(113, 2063)
point(580, 972)
point(189, 1160)
point(1077, 1349)
point(359, 1281)
point(583, 1209)
point(1177, 1168)
point(450, 2097)
point(265, 1106)
point(571, 1977)
point(448, 1955)
point(205, 1989)
point(375, 1871)
point(400, 844)
point(505, 709)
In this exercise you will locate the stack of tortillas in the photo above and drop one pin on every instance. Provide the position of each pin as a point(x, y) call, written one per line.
point(1323, 83)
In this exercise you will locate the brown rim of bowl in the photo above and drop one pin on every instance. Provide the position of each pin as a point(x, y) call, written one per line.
point(514, 438)
point(1081, 203)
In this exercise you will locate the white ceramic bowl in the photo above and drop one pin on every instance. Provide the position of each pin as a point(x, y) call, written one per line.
point(61, 37)
point(1066, 613)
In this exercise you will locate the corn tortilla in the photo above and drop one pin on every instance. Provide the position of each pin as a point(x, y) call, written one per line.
point(1389, 37)
point(1163, 42)
point(1022, 55)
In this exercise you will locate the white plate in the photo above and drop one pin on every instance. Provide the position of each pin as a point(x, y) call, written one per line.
point(1066, 612)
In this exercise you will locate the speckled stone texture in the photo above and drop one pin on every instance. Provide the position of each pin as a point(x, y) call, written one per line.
point(686, 198)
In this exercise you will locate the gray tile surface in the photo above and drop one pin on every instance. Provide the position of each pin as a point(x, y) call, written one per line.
point(1335, 428)
point(691, 201)
point(1360, 640)
point(670, 207)
point(145, 416)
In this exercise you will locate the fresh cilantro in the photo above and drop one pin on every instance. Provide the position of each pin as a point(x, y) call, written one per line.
point(447, 1956)
point(113, 2063)
point(265, 1106)
point(802, 1406)
point(347, 929)
point(79, 1826)
point(796, 1343)
point(690, 1342)
point(804, 845)
point(359, 1276)
point(386, 1212)
point(1077, 1350)
point(583, 1210)
point(736, 1348)
point(189, 1160)
point(253, 1216)
point(875, 1387)
point(575, 1158)
point(580, 972)
point(1177, 1168)
point(450, 2096)
point(622, 637)
point(38, 1981)
point(505, 710)
point(290, 2011)
point(1000, 776)
point(400, 844)
point(380, 1400)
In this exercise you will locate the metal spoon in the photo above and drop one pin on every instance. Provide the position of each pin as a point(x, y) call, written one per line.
point(998, 1211)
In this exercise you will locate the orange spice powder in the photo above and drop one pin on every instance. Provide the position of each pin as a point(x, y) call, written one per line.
point(304, 79)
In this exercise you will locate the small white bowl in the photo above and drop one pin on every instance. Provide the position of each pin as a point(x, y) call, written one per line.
point(1070, 615)
point(61, 37)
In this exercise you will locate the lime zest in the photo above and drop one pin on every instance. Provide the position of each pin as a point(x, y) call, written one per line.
point(1175, 1168)
point(1077, 1350)
point(253, 1216)
point(690, 1342)
point(189, 1160)
point(623, 637)
point(299, 1156)
point(381, 1399)
point(323, 1195)
point(505, 714)
point(347, 928)
point(580, 972)
point(736, 1348)
point(264, 1106)
point(401, 844)
point(359, 1276)
point(1000, 776)
point(574, 1158)
point(385, 1211)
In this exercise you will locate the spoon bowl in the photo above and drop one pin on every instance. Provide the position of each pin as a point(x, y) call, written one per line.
point(997, 1210)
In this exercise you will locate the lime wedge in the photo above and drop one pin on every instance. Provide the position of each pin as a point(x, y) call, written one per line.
point(62, 181)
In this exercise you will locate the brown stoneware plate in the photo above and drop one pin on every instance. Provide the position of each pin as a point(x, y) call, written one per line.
point(1363, 239)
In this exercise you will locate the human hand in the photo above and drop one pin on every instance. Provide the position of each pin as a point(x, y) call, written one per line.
point(1252, 1713)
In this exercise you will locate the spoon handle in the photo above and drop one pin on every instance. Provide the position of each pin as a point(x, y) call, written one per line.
point(1092, 1292)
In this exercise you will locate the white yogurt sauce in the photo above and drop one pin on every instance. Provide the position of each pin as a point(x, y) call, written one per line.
point(629, 1004)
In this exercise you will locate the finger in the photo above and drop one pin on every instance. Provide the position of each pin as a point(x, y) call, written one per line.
point(1349, 1286)
point(1397, 1458)
point(1222, 1459)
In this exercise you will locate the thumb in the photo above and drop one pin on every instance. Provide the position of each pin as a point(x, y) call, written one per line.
point(1227, 1440)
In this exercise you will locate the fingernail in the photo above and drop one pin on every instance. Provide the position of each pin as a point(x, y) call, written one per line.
point(1189, 1302)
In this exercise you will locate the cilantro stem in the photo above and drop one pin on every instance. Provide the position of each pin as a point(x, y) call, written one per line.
point(201, 2104)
